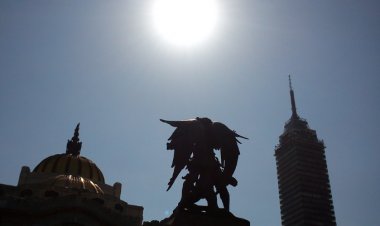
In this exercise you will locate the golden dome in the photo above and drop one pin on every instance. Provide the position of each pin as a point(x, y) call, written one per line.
point(68, 164)
point(76, 182)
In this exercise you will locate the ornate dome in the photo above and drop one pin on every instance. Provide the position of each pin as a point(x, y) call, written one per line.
point(76, 182)
point(68, 164)
point(71, 163)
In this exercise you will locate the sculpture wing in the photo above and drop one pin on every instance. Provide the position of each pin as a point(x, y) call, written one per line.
point(182, 141)
point(226, 140)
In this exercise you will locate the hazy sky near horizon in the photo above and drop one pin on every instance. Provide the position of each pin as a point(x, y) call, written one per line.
point(100, 63)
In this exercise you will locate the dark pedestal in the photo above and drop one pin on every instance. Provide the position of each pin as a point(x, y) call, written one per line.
point(203, 218)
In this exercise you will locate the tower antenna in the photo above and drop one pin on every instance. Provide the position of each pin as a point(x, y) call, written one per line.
point(292, 99)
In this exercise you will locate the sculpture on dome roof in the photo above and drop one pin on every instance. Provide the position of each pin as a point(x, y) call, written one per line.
point(73, 146)
point(194, 142)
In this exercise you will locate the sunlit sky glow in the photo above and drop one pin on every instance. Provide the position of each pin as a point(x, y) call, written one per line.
point(185, 23)
point(103, 64)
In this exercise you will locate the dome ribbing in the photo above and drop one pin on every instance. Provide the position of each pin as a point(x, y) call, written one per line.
point(68, 164)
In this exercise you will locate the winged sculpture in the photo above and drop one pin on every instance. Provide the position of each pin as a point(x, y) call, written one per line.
point(193, 142)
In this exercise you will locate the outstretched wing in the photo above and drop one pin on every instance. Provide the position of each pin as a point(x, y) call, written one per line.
point(182, 141)
point(226, 140)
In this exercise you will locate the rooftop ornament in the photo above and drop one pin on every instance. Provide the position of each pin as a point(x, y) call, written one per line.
point(73, 146)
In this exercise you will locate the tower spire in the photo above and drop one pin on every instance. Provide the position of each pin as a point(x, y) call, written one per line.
point(73, 146)
point(292, 99)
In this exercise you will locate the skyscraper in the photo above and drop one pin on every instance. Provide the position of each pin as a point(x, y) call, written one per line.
point(303, 180)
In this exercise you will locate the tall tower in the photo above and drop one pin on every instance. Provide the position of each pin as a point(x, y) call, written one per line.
point(303, 180)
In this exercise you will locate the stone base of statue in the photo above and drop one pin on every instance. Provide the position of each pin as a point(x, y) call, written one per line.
point(201, 216)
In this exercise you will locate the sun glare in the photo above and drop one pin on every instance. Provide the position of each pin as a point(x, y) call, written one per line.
point(185, 23)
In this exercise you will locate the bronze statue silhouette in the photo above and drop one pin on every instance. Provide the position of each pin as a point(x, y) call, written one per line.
point(194, 142)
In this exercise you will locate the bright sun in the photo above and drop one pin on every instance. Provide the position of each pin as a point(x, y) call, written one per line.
point(185, 23)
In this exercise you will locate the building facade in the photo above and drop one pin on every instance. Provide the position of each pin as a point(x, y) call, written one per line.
point(303, 179)
point(66, 190)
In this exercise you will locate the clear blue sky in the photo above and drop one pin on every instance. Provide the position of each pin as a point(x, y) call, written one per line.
point(100, 63)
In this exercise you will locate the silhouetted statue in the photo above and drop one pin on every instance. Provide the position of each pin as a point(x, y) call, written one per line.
point(73, 146)
point(194, 142)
